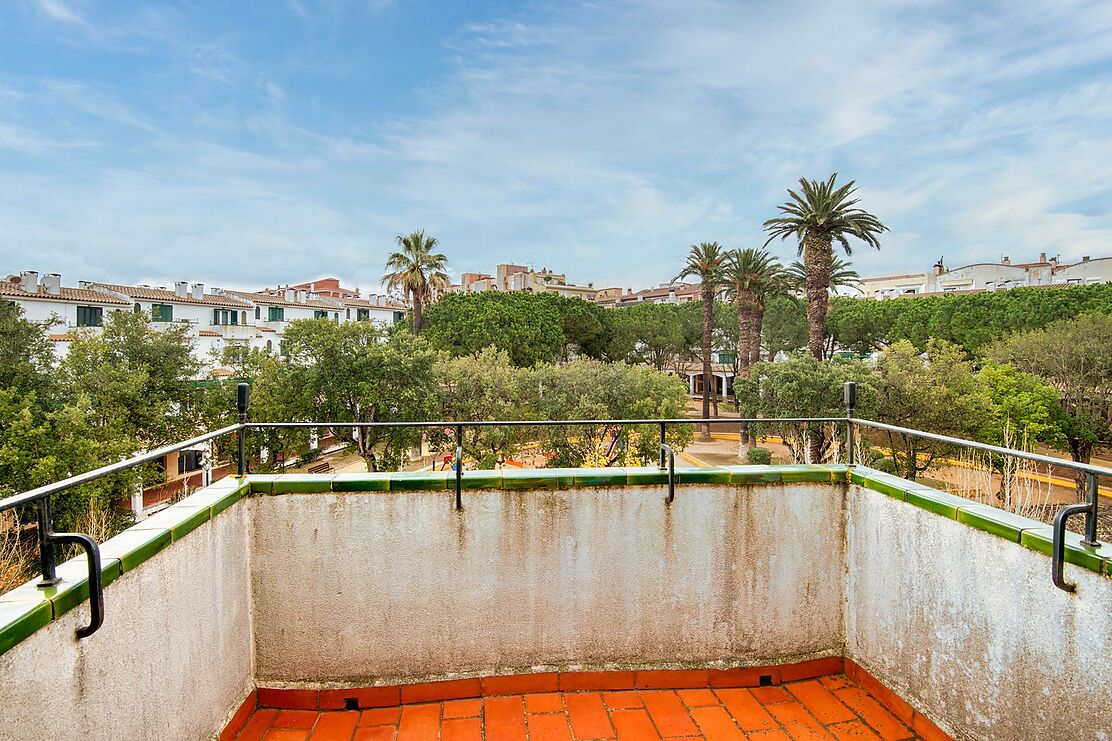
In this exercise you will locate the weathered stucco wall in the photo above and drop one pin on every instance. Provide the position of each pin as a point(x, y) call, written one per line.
point(171, 661)
point(378, 586)
point(967, 627)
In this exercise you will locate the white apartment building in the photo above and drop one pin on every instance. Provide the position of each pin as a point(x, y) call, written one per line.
point(989, 277)
point(216, 319)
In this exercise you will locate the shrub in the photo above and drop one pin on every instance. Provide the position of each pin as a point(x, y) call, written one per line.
point(759, 456)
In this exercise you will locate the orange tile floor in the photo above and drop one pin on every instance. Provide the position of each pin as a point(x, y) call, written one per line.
point(831, 707)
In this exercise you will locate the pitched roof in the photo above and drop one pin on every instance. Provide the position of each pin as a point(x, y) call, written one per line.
point(164, 294)
point(86, 295)
point(270, 299)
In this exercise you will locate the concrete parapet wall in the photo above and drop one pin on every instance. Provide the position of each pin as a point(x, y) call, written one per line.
point(173, 658)
point(377, 586)
point(967, 627)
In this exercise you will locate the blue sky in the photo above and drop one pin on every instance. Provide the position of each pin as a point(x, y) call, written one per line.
point(250, 143)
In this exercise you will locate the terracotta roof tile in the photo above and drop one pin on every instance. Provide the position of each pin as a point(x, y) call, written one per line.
point(269, 299)
point(66, 294)
point(165, 294)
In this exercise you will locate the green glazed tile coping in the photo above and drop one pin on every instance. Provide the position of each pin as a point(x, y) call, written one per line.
point(20, 618)
point(132, 547)
point(599, 477)
point(939, 502)
point(999, 522)
point(754, 474)
point(537, 478)
point(262, 483)
point(301, 483)
point(181, 518)
point(361, 481)
point(703, 475)
point(1041, 539)
point(219, 496)
point(74, 587)
point(477, 480)
point(647, 475)
point(420, 480)
point(808, 473)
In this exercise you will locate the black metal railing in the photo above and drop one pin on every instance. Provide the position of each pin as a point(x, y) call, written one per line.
point(40, 496)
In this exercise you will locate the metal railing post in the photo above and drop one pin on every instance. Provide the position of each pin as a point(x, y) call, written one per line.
point(46, 545)
point(243, 394)
point(459, 466)
point(1090, 538)
point(666, 448)
point(663, 433)
point(850, 394)
point(1058, 546)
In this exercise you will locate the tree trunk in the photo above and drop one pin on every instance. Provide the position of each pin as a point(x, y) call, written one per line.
point(817, 259)
point(745, 318)
point(418, 314)
point(1081, 452)
point(755, 341)
point(708, 327)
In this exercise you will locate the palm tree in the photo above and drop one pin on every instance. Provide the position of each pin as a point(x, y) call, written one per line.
point(820, 216)
point(706, 261)
point(752, 277)
point(417, 271)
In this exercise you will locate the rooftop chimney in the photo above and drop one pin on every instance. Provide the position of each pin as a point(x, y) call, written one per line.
point(1042, 257)
point(52, 284)
point(289, 294)
point(301, 297)
point(198, 291)
point(1007, 260)
point(29, 280)
point(1084, 258)
point(181, 289)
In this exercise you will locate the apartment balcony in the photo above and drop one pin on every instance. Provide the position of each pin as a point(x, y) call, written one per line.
point(762, 601)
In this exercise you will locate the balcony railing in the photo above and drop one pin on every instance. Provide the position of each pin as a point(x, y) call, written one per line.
point(40, 497)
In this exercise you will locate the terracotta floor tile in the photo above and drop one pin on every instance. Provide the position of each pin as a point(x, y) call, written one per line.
point(257, 727)
point(549, 727)
point(546, 702)
point(669, 714)
point(633, 725)
point(380, 717)
point(749, 714)
point(419, 722)
point(504, 718)
point(462, 729)
point(768, 736)
point(588, 715)
point(821, 702)
point(375, 733)
point(769, 695)
point(852, 731)
point(335, 726)
point(697, 698)
point(622, 700)
point(286, 734)
point(716, 724)
point(799, 724)
point(295, 719)
point(463, 708)
point(836, 681)
point(872, 712)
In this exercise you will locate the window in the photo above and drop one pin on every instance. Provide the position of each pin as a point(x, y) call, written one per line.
point(258, 312)
point(90, 316)
point(225, 316)
point(336, 317)
point(362, 315)
point(347, 314)
point(398, 316)
point(320, 314)
point(162, 313)
point(275, 314)
point(189, 460)
point(243, 317)
point(269, 345)
point(138, 308)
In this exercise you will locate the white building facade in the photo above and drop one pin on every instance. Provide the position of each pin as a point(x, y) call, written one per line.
point(989, 277)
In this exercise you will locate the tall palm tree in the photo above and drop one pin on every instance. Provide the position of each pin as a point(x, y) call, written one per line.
point(817, 217)
point(752, 277)
point(706, 261)
point(417, 271)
